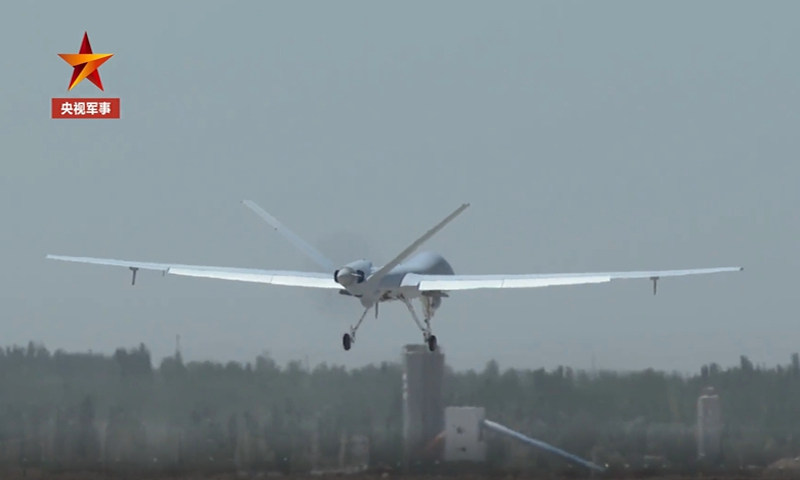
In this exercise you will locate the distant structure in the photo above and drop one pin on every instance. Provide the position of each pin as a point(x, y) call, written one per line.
point(709, 426)
point(464, 434)
point(428, 426)
point(463, 438)
point(423, 408)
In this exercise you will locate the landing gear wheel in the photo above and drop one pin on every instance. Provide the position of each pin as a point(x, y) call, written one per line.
point(347, 341)
point(432, 343)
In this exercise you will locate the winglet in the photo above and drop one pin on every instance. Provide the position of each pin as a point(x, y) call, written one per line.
point(298, 242)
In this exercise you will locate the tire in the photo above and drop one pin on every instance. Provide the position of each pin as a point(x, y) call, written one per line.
point(432, 344)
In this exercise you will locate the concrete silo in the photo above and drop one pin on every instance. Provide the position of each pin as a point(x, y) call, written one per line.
point(423, 408)
point(709, 426)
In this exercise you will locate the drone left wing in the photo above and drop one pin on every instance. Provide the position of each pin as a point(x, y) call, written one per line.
point(472, 282)
point(274, 277)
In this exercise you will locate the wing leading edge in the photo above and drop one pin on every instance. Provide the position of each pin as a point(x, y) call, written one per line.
point(472, 282)
point(274, 277)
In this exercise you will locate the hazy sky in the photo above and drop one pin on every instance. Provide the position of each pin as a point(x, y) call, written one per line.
point(588, 136)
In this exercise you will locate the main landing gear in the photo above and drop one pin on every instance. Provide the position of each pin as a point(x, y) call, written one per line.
point(348, 339)
point(427, 335)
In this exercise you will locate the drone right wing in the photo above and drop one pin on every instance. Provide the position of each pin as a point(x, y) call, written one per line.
point(473, 282)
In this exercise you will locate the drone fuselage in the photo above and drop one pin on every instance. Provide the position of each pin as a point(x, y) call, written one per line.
point(391, 286)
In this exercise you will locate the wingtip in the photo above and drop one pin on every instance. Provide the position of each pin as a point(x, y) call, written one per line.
point(741, 269)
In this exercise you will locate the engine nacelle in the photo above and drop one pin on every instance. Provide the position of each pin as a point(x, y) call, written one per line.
point(353, 273)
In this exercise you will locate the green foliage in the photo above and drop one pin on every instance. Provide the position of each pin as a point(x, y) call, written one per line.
point(75, 408)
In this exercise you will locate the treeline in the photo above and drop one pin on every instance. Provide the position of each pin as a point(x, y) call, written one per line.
point(78, 410)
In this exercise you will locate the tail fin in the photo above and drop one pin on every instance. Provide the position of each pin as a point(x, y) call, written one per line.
point(377, 276)
point(298, 242)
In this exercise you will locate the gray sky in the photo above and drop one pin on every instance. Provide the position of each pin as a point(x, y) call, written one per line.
point(588, 136)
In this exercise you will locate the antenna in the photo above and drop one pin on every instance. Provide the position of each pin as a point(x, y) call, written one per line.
point(177, 345)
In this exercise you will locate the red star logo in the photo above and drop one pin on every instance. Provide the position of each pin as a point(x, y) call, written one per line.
point(85, 64)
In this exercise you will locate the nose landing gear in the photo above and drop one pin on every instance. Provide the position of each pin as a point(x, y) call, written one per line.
point(348, 339)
